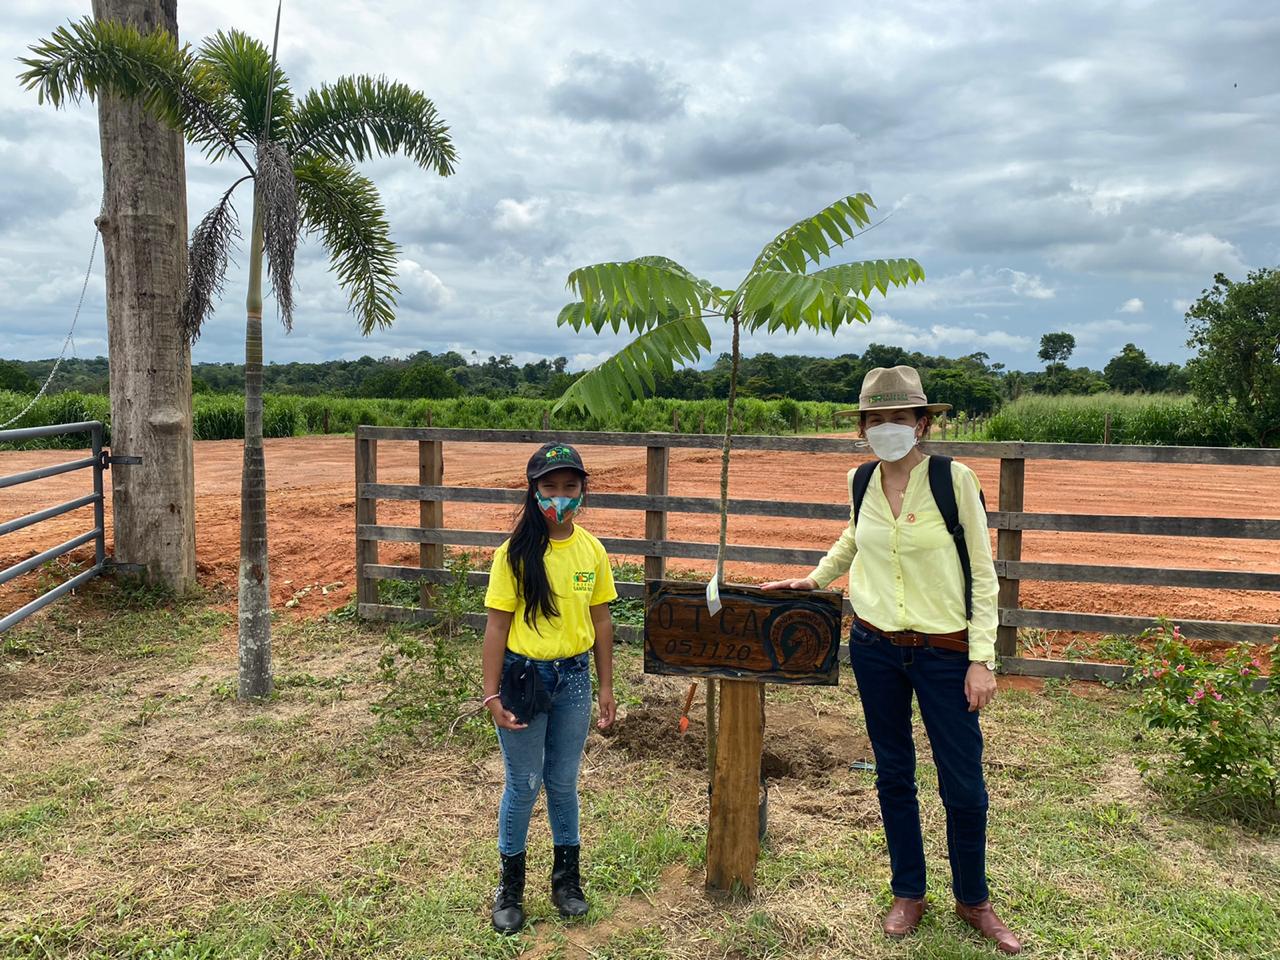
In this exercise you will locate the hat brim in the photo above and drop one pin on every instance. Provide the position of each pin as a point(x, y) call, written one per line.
point(931, 408)
point(553, 467)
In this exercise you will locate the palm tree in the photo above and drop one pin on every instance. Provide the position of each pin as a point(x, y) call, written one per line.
point(231, 100)
point(667, 307)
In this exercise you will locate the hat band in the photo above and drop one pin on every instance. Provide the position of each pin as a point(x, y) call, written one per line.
point(882, 399)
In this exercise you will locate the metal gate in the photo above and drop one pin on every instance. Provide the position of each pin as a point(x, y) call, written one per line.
point(98, 461)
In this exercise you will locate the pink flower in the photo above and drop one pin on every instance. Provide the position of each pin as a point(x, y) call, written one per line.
point(1217, 696)
point(1181, 667)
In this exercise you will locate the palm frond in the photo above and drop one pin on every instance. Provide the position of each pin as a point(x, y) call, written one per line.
point(238, 67)
point(90, 57)
point(278, 193)
point(809, 240)
point(207, 256)
point(344, 208)
point(94, 57)
point(636, 294)
point(361, 117)
point(825, 300)
point(630, 372)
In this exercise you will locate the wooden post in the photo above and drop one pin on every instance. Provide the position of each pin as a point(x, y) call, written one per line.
point(430, 512)
point(1106, 429)
point(702, 422)
point(944, 426)
point(817, 421)
point(366, 514)
point(675, 421)
point(1009, 547)
point(795, 422)
point(546, 418)
point(429, 418)
point(657, 462)
point(326, 420)
point(733, 835)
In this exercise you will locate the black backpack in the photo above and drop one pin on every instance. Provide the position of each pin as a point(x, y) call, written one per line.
point(944, 495)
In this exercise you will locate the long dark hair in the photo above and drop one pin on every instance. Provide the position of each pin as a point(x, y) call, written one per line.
point(525, 552)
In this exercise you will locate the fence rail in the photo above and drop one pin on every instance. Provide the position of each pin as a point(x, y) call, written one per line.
point(97, 462)
point(1009, 520)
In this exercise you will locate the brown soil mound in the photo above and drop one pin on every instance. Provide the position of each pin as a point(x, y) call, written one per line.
point(799, 744)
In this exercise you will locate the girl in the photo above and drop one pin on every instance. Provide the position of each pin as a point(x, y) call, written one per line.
point(548, 603)
point(911, 635)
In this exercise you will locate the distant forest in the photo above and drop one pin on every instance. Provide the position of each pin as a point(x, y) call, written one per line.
point(971, 383)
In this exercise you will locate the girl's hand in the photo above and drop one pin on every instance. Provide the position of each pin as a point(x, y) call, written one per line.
point(503, 717)
point(979, 686)
point(608, 709)
point(805, 584)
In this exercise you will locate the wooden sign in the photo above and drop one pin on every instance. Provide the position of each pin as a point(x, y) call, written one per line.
point(779, 636)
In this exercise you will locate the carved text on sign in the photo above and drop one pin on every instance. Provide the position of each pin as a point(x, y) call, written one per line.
point(781, 636)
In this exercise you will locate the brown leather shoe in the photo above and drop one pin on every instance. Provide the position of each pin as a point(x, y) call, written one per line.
point(983, 919)
point(903, 917)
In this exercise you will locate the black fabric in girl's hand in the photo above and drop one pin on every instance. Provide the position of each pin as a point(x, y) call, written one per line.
point(522, 692)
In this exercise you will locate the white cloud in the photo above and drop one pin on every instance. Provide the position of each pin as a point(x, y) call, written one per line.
point(1180, 305)
point(1095, 332)
point(420, 289)
point(1132, 305)
point(1028, 285)
point(517, 215)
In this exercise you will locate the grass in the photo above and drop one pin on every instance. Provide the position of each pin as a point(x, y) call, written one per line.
point(144, 813)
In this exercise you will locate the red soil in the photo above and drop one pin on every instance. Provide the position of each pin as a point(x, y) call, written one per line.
point(312, 516)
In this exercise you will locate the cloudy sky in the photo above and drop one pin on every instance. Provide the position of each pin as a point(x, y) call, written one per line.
point(1071, 166)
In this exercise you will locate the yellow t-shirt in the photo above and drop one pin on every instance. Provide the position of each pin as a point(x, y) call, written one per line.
point(579, 574)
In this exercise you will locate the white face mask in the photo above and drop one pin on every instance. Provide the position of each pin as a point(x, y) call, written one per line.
point(891, 441)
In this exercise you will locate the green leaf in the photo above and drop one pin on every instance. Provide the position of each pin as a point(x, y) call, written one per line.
point(344, 208)
point(238, 68)
point(636, 294)
point(809, 240)
point(626, 375)
point(361, 117)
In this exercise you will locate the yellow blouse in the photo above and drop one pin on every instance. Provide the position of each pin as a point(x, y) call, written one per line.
point(904, 573)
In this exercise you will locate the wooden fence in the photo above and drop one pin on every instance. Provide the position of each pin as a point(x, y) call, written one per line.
point(1009, 520)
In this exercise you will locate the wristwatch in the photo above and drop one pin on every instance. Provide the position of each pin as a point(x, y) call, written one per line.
point(989, 664)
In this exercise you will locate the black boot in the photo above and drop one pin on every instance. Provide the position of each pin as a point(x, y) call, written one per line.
point(566, 884)
point(508, 899)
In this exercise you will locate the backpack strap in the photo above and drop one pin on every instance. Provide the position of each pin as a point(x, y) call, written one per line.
point(944, 495)
point(858, 486)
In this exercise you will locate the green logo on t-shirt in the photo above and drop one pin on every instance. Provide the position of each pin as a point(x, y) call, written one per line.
point(584, 581)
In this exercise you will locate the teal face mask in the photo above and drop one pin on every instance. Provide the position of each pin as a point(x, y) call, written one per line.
point(557, 509)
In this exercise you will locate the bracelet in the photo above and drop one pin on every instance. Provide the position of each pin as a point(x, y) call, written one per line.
point(493, 696)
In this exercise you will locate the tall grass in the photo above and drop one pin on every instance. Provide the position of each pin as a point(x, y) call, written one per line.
point(1160, 419)
point(221, 416)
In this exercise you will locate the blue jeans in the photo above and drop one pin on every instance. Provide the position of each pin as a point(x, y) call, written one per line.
point(547, 753)
point(887, 675)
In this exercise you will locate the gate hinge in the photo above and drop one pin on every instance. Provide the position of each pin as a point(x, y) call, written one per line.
point(108, 458)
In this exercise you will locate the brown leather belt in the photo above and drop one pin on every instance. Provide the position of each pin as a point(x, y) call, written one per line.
point(958, 641)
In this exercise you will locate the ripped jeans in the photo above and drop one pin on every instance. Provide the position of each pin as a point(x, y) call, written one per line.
point(547, 753)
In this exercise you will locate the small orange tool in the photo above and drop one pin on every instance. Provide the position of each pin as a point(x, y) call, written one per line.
point(688, 702)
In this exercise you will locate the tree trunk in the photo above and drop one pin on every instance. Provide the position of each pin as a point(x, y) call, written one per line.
point(712, 738)
point(144, 239)
point(255, 594)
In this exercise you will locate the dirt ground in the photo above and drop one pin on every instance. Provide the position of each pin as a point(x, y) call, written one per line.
point(312, 516)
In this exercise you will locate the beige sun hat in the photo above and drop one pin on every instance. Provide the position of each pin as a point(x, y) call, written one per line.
point(895, 388)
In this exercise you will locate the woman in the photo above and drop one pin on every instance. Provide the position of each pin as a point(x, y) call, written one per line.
point(548, 602)
point(910, 636)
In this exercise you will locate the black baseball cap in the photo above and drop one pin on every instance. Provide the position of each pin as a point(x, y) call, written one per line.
point(554, 456)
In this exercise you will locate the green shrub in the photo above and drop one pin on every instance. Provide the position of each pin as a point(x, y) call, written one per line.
point(1223, 727)
point(1161, 419)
